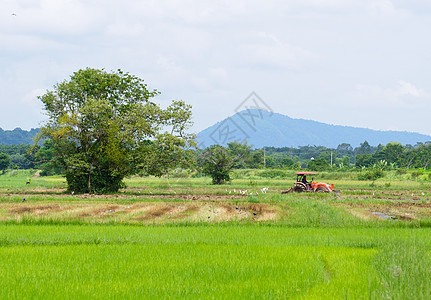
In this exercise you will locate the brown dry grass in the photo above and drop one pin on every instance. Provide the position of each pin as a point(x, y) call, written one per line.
point(142, 212)
point(155, 212)
point(35, 209)
point(89, 211)
point(143, 197)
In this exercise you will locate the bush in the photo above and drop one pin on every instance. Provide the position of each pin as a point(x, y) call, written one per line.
point(273, 174)
point(181, 173)
point(340, 175)
point(296, 166)
point(416, 174)
point(371, 174)
point(401, 171)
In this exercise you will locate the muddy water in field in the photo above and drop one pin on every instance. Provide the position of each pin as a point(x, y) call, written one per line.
point(388, 210)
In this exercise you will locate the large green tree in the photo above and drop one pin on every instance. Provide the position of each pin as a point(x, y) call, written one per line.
point(104, 127)
point(365, 148)
point(4, 162)
point(242, 152)
point(393, 152)
point(318, 164)
point(217, 163)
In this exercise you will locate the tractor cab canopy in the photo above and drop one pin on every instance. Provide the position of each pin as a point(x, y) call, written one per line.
point(300, 175)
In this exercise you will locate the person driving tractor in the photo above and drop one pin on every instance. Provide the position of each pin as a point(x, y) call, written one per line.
point(304, 181)
point(302, 185)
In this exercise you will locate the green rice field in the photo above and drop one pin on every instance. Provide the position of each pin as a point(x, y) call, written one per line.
point(184, 238)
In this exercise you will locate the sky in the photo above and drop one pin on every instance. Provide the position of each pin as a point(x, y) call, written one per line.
point(344, 62)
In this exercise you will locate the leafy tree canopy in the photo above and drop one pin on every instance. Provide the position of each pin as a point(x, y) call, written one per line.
point(218, 162)
point(242, 152)
point(318, 164)
point(365, 148)
point(4, 161)
point(104, 127)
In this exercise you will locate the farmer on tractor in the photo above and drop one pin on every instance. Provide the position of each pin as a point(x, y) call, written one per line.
point(304, 181)
point(302, 185)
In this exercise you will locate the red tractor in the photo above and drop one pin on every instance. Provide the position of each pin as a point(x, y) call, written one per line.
point(302, 185)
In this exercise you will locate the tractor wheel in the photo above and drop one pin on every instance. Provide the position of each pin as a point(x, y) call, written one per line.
point(322, 189)
point(299, 188)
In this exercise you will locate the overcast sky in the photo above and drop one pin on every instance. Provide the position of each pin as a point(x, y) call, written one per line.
point(357, 63)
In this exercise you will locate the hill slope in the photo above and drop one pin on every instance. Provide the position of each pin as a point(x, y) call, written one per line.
point(17, 136)
point(262, 128)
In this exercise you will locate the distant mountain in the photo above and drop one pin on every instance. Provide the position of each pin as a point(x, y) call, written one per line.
point(264, 128)
point(17, 136)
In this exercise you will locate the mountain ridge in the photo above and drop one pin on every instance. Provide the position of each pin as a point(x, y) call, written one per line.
point(18, 136)
point(262, 128)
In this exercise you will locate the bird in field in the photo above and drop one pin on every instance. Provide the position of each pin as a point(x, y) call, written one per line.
point(23, 200)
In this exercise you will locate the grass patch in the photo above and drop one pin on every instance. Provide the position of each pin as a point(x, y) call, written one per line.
point(178, 237)
point(229, 261)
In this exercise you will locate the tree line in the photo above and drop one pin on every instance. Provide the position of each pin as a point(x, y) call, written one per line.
point(104, 126)
point(244, 156)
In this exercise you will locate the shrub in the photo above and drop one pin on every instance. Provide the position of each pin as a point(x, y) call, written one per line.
point(273, 174)
point(181, 173)
point(401, 171)
point(416, 174)
point(371, 174)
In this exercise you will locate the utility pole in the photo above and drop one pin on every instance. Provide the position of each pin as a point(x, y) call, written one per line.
point(331, 159)
point(264, 158)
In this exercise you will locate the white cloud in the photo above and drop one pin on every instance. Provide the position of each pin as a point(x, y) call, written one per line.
point(407, 89)
point(214, 53)
point(386, 8)
point(218, 73)
point(52, 17)
point(30, 98)
point(268, 51)
point(403, 94)
point(19, 43)
point(168, 64)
